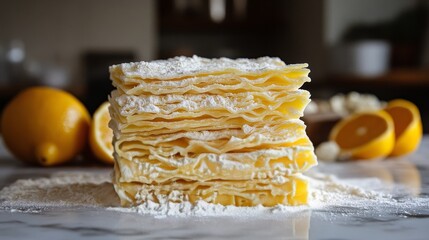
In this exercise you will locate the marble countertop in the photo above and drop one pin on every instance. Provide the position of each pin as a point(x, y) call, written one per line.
point(330, 223)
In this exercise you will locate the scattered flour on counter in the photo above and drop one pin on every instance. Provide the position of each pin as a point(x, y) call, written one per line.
point(95, 190)
point(204, 209)
point(60, 190)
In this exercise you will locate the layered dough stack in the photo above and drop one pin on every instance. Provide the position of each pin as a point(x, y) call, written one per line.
point(220, 130)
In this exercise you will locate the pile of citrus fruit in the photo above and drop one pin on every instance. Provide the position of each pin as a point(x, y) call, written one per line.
point(48, 127)
point(393, 131)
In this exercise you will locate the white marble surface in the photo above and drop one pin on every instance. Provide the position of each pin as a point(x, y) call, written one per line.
point(331, 223)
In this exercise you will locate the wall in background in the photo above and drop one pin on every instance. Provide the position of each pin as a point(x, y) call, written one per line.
point(304, 39)
point(60, 31)
point(340, 14)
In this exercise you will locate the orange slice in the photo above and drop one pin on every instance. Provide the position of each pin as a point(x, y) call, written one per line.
point(100, 136)
point(408, 126)
point(365, 135)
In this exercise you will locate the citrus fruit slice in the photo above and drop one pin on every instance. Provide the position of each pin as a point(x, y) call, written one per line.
point(100, 136)
point(365, 135)
point(408, 126)
point(45, 126)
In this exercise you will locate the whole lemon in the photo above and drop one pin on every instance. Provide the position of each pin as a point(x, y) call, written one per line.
point(45, 126)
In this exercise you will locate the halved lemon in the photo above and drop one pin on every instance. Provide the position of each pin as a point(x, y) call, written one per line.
point(100, 136)
point(365, 135)
point(408, 126)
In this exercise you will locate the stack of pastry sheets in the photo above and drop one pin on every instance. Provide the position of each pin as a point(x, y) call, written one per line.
point(219, 130)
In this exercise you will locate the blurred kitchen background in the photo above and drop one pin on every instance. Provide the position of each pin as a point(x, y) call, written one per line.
point(379, 47)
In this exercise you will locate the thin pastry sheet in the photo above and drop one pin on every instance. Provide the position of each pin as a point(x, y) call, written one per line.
point(292, 191)
point(258, 164)
point(251, 106)
point(199, 75)
point(288, 133)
